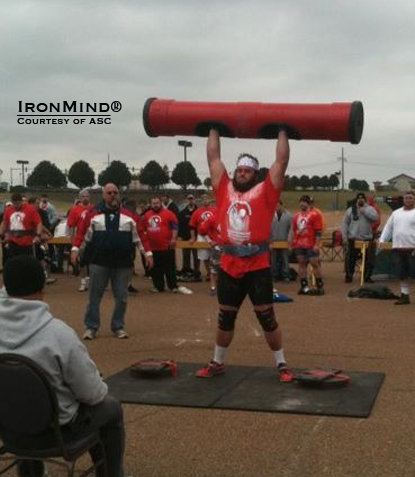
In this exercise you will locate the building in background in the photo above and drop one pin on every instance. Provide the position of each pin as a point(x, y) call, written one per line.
point(402, 182)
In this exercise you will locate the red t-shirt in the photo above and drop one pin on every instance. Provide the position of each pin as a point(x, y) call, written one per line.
point(77, 215)
point(305, 226)
point(21, 224)
point(245, 218)
point(199, 216)
point(159, 227)
point(210, 228)
point(139, 222)
point(372, 202)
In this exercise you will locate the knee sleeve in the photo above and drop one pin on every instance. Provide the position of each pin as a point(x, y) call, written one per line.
point(226, 319)
point(267, 319)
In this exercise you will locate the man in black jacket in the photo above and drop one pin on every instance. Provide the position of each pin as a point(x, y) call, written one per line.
point(110, 235)
point(170, 205)
point(184, 234)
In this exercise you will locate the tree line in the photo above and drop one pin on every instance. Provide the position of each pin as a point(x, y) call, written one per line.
point(48, 175)
point(153, 175)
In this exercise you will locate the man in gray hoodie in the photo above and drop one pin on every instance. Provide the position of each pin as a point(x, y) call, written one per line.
point(357, 225)
point(28, 328)
point(280, 232)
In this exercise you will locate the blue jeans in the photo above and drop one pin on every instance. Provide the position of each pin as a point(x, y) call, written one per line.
point(280, 269)
point(98, 280)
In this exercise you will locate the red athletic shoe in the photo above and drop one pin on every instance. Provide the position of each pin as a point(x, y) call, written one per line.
point(212, 369)
point(286, 375)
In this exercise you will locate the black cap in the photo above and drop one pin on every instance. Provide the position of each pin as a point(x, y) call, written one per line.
point(360, 195)
point(305, 198)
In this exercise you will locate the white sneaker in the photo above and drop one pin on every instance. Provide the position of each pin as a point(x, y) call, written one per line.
point(83, 286)
point(89, 334)
point(120, 334)
point(50, 280)
point(183, 291)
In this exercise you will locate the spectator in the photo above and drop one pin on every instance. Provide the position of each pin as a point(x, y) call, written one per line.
point(143, 207)
point(400, 228)
point(305, 242)
point(170, 205)
point(76, 215)
point(22, 227)
point(280, 231)
point(210, 228)
point(161, 226)
point(110, 236)
point(3, 242)
point(27, 327)
point(201, 214)
point(42, 248)
point(61, 249)
point(375, 225)
point(131, 206)
point(35, 202)
point(319, 212)
point(50, 209)
point(357, 225)
point(184, 233)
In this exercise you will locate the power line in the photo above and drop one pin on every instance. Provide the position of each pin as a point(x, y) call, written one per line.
point(394, 166)
point(317, 164)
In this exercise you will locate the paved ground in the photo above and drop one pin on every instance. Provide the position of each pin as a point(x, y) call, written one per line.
point(332, 331)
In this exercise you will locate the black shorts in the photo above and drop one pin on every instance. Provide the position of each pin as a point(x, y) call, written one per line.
point(404, 260)
point(257, 284)
point(14, 250)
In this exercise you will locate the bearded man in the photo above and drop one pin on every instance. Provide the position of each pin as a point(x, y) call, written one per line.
point(161, 227)
point(245, 209)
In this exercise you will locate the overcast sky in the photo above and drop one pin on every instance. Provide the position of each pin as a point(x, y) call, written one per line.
point(277, 51)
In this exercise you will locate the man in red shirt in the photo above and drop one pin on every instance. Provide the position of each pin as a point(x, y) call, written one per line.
point(161, 226)
point(209, 229)
point(307, 231)
point(21, 226)
point(199, 216)
point(245, 208)
point(75, 217)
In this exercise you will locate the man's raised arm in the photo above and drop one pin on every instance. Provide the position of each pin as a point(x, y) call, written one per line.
point(216, 166)
point(278, 168)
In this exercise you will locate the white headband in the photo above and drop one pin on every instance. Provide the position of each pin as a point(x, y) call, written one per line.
point(246, 161)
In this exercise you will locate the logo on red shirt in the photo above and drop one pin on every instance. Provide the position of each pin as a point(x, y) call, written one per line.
point(302, 223)
point(239, 213)
point(206, 215)
point(16, 221)
point(154, 222)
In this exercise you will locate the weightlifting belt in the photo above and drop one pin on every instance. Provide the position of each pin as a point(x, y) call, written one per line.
point(246, 250)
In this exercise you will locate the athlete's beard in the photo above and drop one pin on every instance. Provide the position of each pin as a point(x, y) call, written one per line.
point(244, 187)
point(156, 208)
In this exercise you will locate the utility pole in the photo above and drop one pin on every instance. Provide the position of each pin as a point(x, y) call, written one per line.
point(185, 145)
point(343, 160)
point(23, 163)
point(337, 174)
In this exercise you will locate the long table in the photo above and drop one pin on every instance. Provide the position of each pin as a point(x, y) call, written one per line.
point(180, 244)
